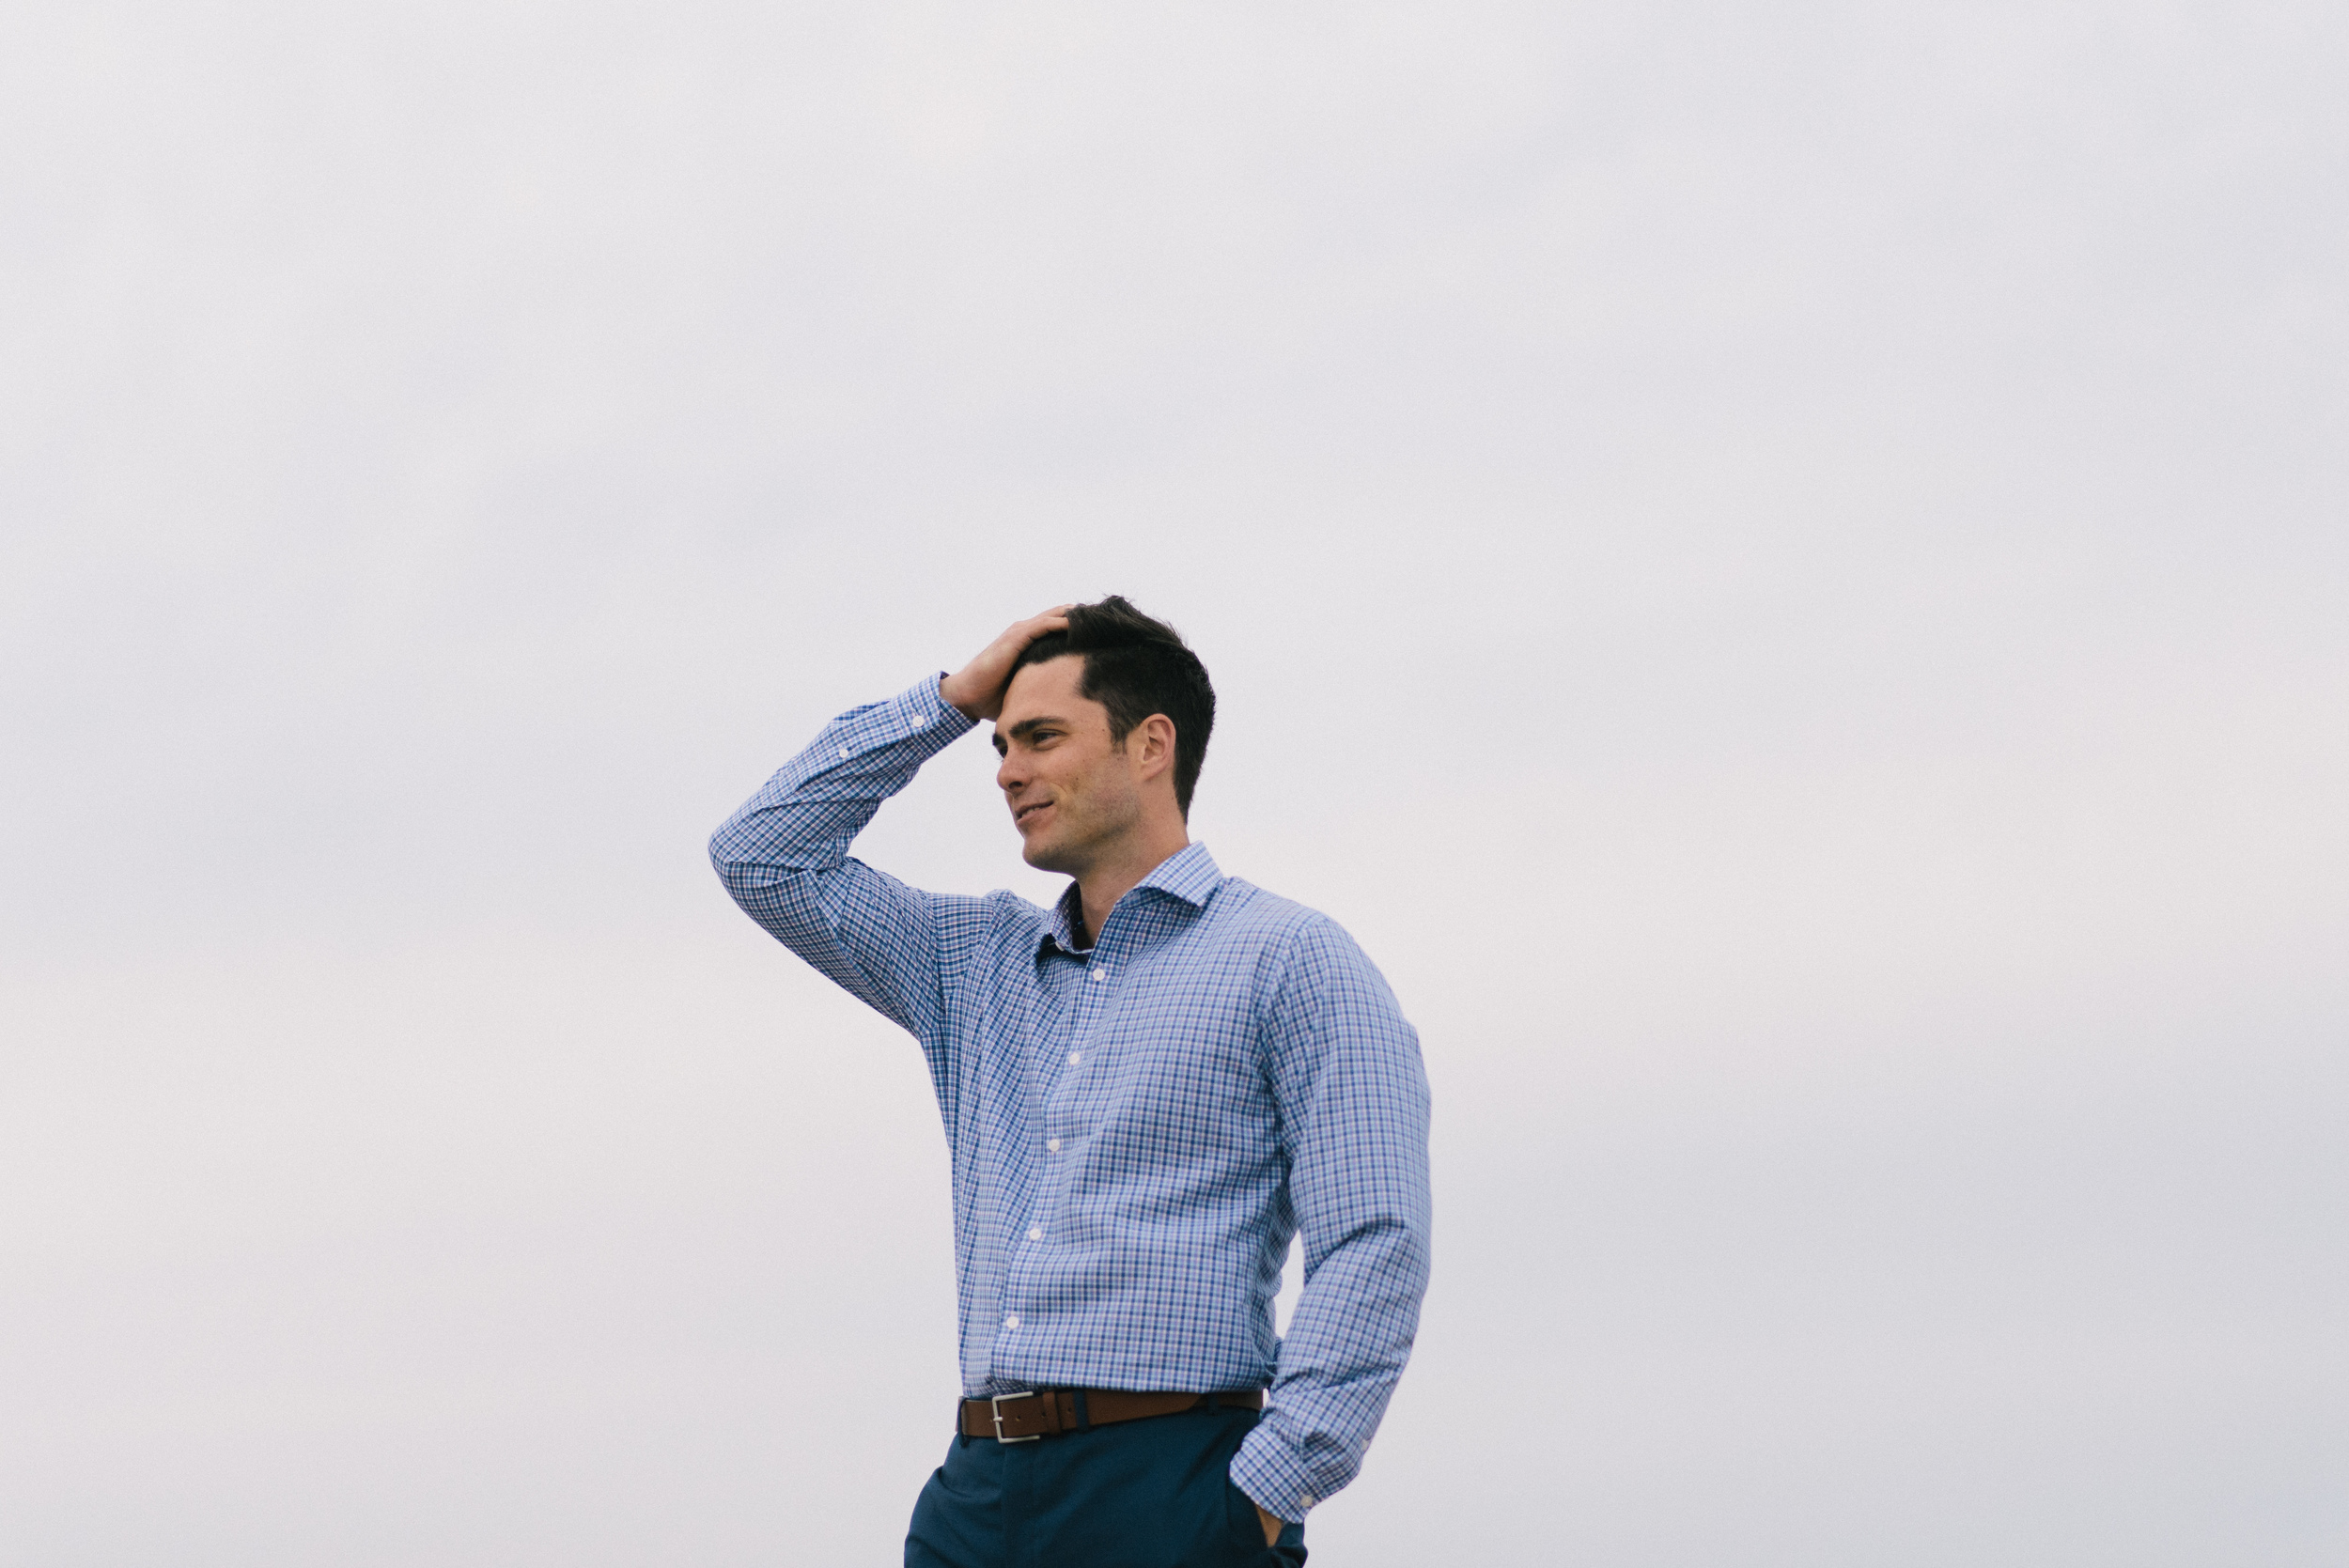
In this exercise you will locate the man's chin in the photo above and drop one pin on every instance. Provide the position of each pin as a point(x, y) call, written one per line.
point(1042, 853)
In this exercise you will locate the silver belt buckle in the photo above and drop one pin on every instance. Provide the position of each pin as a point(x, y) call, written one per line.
point(996, 1403)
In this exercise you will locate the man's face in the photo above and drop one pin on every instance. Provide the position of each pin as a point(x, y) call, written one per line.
point(1070, 790)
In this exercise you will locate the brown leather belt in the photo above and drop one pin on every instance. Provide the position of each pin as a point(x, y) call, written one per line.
point(1048, 1412)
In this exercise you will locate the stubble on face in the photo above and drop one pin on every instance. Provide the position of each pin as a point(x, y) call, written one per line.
point(1066, 782)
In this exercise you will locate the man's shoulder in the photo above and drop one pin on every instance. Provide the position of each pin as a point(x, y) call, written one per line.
point(1006, 910)
point(1000, 920)
point(1299, 957)
point(1243, 908)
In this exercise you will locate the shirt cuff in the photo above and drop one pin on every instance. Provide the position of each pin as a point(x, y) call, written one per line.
point(1270, 1474)
point(921, 702)
point(893, 737)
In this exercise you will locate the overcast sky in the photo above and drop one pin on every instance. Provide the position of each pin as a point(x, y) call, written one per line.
point(1780, 566)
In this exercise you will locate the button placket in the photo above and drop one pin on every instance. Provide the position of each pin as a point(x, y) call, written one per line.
point(1090, 1002)
point(1065, 1098)
point(1057, 1088)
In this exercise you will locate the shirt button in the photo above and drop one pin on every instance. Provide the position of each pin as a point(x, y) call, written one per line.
point(1075, 1057)
point(1035, 1232)
point(1101, 974)
point(1012, 1322)
point(1052, 1144)
point(844, 752)
point(1306, 1501)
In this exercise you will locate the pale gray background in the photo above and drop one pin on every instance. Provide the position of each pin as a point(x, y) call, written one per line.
point(1782, 567)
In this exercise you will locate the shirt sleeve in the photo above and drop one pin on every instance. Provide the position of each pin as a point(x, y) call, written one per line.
point(785, 858)
point(1353, 1101)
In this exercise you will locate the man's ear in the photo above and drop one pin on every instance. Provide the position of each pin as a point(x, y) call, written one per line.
point(1157, 734)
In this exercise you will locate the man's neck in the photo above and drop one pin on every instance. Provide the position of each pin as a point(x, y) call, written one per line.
point(1100, 887)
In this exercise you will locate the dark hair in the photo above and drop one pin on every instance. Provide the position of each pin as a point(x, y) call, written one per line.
point(1135, 666)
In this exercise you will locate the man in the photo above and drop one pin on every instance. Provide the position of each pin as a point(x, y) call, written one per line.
point(1148, 1088)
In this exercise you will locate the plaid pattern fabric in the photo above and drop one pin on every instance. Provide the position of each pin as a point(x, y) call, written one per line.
point(1138, 1129)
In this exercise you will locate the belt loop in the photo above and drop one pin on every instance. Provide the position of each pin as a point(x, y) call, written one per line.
point(1085, 1422)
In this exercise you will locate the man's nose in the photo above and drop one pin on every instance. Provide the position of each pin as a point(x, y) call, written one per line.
point(1009, 775)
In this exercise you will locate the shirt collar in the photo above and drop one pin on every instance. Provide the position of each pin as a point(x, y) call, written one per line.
point(1189, 873)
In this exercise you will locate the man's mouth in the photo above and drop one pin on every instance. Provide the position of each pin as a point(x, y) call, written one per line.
point(1020, 817)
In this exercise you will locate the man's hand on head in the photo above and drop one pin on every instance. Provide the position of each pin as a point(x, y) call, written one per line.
point(978, 687)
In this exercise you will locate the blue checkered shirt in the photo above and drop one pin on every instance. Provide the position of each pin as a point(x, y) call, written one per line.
point(1139, 1129)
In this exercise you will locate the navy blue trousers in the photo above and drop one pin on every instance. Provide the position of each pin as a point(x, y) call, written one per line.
point(1156, 1493)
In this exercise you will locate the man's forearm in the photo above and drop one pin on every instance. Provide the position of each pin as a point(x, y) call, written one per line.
point(1344, 1352)
point(808, 813)
point(783, 856)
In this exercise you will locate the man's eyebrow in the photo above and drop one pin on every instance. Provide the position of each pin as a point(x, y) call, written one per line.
point(1026, 727)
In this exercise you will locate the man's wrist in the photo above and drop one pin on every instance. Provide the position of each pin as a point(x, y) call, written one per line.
point(948, 695)
point(1264, 1469)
